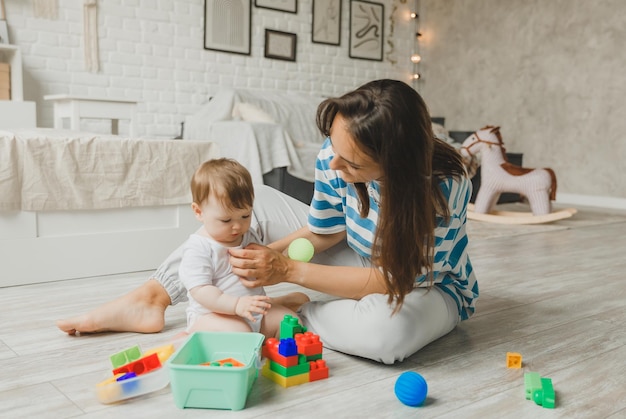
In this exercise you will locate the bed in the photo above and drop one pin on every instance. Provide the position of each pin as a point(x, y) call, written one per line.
point(273, 133)
point(76, 204)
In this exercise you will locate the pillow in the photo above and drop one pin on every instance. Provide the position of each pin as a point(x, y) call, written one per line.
point(250, 113)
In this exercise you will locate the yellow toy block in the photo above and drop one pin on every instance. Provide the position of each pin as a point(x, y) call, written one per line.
point(163, 352)
point(107, 392)
point(513, 360)
point(294, 380)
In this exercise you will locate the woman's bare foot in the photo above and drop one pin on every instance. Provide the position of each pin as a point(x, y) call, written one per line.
point(141, 310)
point(293, 300)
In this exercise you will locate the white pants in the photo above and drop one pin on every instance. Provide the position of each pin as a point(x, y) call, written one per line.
point(365, 327)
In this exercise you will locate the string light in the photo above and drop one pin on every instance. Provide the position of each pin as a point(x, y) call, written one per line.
point(416, 58)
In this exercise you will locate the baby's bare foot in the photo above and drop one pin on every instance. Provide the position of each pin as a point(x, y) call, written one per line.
point(141, 310)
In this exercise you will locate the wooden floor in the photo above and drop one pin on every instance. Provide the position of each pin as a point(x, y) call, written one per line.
point(555, 293)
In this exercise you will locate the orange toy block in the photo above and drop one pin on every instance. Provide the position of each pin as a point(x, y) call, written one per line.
point(308, 343)
point(229, 362)
point(513, 360)
point(140, 366)
point(270, 351)
point(318, 370)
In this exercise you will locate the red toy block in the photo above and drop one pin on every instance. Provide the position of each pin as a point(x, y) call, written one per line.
point(318, 370)
point(140, 366)
point(270, 351)
point(309, 344)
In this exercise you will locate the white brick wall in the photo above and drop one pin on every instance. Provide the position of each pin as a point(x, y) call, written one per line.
point(152, 51)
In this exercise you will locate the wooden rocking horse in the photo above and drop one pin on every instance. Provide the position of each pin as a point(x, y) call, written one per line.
point(498, 175)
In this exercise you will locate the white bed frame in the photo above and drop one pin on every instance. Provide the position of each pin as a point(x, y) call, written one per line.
point(56, 245)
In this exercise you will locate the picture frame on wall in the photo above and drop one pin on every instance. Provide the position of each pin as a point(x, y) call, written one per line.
point(290, 6)
point(367, 30)
point(280, 45)
point(326, 27)
point(227, 26)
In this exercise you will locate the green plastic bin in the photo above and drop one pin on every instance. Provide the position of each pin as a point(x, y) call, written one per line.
point(215, 387)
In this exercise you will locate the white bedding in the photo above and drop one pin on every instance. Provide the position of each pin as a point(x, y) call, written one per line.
point(263, 130)
point(46, 169)
point(260, 147)
point(75, 205)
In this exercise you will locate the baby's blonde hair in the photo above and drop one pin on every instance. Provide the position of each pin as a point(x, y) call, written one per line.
point(224, 179)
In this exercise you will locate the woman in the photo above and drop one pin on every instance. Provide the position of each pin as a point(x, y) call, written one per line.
point(387, 222)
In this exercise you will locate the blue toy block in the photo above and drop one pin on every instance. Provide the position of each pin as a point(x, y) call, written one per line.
point(288, 347)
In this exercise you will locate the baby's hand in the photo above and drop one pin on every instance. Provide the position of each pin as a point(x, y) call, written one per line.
point(252, 304)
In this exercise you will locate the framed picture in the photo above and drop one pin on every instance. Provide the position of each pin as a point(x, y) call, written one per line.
point(367, 30)
point(280, 45)
point(227, 25)
point(4, 32)
point(290, 6)
point(326, 27)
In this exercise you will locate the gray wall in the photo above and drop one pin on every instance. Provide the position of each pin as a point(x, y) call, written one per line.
point(550, 73)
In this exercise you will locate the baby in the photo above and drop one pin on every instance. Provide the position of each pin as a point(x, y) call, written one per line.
point(223, 196)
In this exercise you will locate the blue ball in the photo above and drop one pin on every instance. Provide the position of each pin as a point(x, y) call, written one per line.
point(411, 388)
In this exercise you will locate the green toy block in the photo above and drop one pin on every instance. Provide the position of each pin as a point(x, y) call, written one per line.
point(303, 367)
point(125, 356)
point(314, 357)
point(532, 382)
point(545, 395)
point(289, 326)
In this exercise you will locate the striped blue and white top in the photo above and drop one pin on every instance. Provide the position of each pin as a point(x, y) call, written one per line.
point(335, 208)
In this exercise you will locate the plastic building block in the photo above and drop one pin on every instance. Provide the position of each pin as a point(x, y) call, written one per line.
point(140, 366)
point(513, 360)
point(309, 344)
point(270, 350)
point(111, 390)
point(126, 376)
point(289, 326)
point(287, 347)
point(109, 380)
point(302, 368)
point(227, 362)
point(128, 386)
point(164, 352)
point(318, 370)
point(545, 395)
point(532, 382)
point(305, 365)
point(124, 357)
point(294, 380)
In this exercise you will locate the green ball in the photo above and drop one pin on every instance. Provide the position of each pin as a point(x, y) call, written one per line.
point(301, 249)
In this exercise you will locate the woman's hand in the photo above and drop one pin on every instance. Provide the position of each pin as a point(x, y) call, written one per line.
point(258, 265)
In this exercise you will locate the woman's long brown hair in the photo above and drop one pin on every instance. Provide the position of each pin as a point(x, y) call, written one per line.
point(390, 122)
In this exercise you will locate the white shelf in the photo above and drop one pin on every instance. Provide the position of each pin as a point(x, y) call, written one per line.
point(11, 54)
